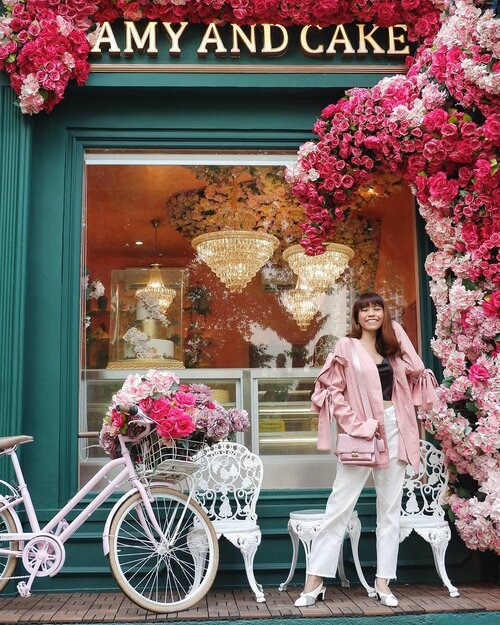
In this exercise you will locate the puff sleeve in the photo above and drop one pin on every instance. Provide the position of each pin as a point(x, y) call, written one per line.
point(328, 399)
point(422, 381)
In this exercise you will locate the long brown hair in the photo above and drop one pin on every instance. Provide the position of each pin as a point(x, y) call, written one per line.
point(386, 341)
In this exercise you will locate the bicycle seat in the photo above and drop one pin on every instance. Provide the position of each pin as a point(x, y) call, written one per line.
point(11, 441)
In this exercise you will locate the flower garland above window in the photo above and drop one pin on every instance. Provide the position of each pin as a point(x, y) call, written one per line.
point(44, 44)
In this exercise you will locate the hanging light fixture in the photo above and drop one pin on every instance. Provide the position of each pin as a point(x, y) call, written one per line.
point(302, 303)
point(235, 256)
point(319, 272)
point(155, 289)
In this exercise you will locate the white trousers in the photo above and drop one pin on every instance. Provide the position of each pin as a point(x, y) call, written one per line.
point(347, 487)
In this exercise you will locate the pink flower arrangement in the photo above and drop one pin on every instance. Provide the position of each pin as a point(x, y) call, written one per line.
point(438, 127)
point(179, 411)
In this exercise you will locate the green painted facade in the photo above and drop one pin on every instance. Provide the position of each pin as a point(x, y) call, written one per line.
point(41, 177)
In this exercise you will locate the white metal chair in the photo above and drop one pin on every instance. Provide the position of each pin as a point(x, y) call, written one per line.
point(228, 483)
point(303, 525)
point(421, 509)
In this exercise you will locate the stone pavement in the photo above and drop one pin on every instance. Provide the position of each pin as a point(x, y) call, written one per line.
point(220, 605)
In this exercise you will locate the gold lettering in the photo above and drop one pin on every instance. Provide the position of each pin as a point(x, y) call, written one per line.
point(268, 49)
point(362, 50)
point(106, 36)
point(343, 39)
point(391, 51)
point(174, 37)
point(132, 34)
point(211, 38)
point(304, 43)
point(249, 42)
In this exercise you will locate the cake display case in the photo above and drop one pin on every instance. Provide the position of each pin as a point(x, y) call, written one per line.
point(146, 318)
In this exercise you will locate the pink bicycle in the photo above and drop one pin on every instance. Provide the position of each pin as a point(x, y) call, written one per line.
point(162, 547)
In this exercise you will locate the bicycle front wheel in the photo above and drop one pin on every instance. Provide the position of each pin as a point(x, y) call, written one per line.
point(7, 562)
point(165, 573)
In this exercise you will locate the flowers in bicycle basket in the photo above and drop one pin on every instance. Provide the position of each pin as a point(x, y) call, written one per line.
point(180, 412)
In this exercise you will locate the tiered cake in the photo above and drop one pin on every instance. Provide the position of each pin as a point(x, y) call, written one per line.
point(163, 357)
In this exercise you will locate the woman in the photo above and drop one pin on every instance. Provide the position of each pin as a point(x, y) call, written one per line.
point(379, 355)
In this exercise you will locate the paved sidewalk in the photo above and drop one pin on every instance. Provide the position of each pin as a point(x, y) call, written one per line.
point(240, 604)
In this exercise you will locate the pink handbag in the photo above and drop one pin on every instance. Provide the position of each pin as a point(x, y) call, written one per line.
point(359, 451)
point(353, 449)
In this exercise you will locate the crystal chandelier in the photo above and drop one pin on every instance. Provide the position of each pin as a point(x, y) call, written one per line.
point(235, 256)
point(302, 303)
point(319, 272)
point(156, 290)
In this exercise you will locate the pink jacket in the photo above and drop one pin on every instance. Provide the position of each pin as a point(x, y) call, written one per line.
point(336, 396)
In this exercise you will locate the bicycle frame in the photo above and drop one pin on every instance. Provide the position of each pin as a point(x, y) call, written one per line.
point(57, 525)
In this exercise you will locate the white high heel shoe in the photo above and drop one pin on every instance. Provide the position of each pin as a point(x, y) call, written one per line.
point(386, 599)
point(310, 598)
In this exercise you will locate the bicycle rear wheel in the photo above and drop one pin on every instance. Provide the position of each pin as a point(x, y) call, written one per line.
point(7, 562)
point(163, 575)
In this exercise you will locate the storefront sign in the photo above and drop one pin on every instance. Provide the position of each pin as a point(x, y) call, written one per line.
point(167, 42)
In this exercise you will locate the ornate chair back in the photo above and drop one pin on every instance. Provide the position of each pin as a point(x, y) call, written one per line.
point(228, 484)
point(423, 491)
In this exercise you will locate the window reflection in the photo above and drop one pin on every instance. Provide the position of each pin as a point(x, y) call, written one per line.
point(210, 326)
point(245, 342)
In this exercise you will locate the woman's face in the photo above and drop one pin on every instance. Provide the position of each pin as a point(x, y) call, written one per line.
point(371, 317)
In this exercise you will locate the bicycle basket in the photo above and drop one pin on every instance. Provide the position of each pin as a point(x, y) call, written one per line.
point(170, 461)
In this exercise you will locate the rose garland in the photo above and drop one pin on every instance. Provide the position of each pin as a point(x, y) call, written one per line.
point(46, 43)
point(439, 128)
point(264, 201)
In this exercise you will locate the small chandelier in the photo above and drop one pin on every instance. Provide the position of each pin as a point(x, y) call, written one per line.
point(235, 256)
point(319, 272)
point(302, 303)
point(156, 290)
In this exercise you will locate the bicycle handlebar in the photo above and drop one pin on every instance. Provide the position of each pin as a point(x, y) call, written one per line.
point(144, 419)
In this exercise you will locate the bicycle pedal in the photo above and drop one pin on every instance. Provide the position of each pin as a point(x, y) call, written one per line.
point(23, 589)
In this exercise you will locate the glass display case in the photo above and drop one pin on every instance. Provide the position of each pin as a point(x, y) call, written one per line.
point(146, 318)
point(286, 423)
point(283, 428)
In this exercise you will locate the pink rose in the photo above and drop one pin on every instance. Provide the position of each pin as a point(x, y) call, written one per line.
point(166, 428)
point(160, 409)
point(176, 413)
point(478, 374)
point(184, 399)
point(435, 119)
point(146, 405)
point(483, 168)
point(117, 419)
point(491, 306)
point(184, 426)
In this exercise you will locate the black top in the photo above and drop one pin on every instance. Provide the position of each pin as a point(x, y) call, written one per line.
point(386, 378)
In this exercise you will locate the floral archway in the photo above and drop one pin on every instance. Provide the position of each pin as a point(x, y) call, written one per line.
point(437, 127)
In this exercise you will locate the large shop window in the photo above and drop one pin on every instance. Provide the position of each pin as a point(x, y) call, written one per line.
point(256, 335)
